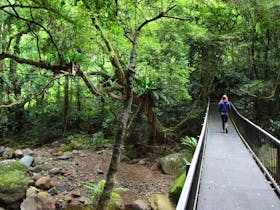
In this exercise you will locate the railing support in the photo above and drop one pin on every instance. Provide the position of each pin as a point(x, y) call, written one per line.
point(188, 197)
point(260, 143)
point(278, 165)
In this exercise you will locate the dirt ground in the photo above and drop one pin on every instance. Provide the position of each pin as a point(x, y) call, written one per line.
point(140, 178)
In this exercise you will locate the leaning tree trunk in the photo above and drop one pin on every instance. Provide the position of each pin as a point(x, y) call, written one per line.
point(145, 103)
point(110, 179)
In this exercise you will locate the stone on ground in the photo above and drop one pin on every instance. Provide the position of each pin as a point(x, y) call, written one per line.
point(13, 181)
point(173, 164)
point(38, 202)
point(160, 202)
point(140, 205)
point(27, 160)
point(44, 183)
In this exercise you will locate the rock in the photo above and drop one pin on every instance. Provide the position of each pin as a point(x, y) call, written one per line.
point(66, 156)
point(18, 153)
point(35, 176)
point(28, 151)
point(75, 202)
point(53, 191)
point(43, 193)
point(75, 152)
point(43, 167)
point(133, 161)
point(39, 160)
point(27, 160)
point(31, 191)
point(160, 202)
point(68, 198)
point(76, 193)
point(83, 155)
point(55, 171)
point(44, 183)
point(100, 152)
point(142, 162)
point(58, 153)
point(177, 186)
point(38, 202)
point(64, 187)
point(99, 170)
point(8, 153)
point(36, 169)
point(73, 206)
point(84, 200)
point(173, 164)
point(140, 205)
point(31, 182)
point(13, 181)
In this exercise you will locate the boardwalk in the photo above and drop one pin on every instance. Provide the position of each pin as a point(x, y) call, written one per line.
point(230, 177)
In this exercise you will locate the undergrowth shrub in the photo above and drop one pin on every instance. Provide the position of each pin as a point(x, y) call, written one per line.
point(96, 191)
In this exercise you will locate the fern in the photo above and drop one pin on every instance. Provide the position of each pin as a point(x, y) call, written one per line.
point(96, 191)
point(189, 142)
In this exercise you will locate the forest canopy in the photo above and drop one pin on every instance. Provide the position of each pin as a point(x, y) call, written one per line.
point(66, 62)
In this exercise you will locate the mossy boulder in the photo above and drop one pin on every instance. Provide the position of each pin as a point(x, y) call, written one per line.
point(177, 186)
point(13, 181)
point(78, 207)
point(160, 202)
point(174, 163)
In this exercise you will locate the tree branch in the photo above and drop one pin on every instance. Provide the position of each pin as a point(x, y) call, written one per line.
point(31, 97)
point(111, 89)
point(61, 69)
point(11, 38)
point(88, 83)
point(114, 59)
point(99, 73)
point(38, 24)
point(21, 6)
point(160, 15)
point(178, 18)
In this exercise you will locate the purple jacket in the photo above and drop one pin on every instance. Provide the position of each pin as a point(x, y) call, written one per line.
point(224, 107)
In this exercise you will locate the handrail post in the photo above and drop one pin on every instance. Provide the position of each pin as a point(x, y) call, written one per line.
point(278, 165)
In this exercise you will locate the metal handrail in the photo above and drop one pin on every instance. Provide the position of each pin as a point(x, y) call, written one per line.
point(264, 147)
point(189, 193)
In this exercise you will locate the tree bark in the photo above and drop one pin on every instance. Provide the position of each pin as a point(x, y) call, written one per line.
point(252, 56)
point(110, 179)
point(145, 103)
point(79, 106)
point(66, 105)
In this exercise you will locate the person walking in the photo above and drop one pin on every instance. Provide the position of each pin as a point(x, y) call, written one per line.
point(224, 110)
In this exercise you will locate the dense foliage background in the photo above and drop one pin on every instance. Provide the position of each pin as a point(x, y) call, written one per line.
point(197, 49)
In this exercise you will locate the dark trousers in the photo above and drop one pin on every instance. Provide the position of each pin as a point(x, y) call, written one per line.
point(224, 120)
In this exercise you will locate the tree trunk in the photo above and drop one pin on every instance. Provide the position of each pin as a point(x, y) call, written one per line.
point(66, 105)
point(252, 56)
point(145, 103)
point(17, 85)
point(79, 106)
point(110, 179)
point(267, 45)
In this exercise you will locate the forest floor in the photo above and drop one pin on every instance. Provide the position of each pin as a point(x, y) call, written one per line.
point(139, 177)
